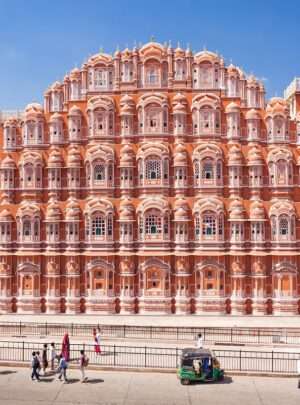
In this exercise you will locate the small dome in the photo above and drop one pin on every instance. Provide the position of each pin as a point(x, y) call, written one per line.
point(127, 210)
point(74, 111)
point(34, 109)
point(179, 98)
point(179, 109)
point(74, 158)
point(53, 211)
point(252, 114)
point(126, 156)
point(75, 74)
point(252, 81)
point(257, 210)
point(55, 159)
point(235, 156)
point(232, 69)
point(232, 108)
point(255, 156)
point(180, 155)
point(276, 106)
point(56, 86)
point(181, 210)
point(5, 215)
point(56, 117)
point(236, 210)
point(10, 122)
point(8, 163)
point(126, 99)
point(72, 209)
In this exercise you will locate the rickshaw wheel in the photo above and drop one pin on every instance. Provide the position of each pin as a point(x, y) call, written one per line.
point(185, 381)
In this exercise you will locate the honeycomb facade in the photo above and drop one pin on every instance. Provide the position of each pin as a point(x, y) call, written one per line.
point(156, 180)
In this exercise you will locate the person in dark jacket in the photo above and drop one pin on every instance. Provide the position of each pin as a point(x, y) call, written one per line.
point(45, 358)
point(35, 365)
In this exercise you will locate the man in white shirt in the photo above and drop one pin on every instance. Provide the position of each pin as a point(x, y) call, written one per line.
point(199, 343)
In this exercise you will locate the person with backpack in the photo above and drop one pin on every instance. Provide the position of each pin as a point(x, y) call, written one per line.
point(35, 365)
point(45, 358)
point(62, 368)
point(83, 363)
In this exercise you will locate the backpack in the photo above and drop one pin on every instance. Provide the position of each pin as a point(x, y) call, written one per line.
point(36, 362)
point(85, 361)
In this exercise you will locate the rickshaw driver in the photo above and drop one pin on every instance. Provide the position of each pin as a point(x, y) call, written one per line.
point(197, 365)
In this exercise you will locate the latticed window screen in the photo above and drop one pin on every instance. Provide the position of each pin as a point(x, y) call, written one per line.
point(209, 225)
point(26, 228)
point(98, 226)
point(197, 225)
point(153, 224)
point(207, 170)
point(100, 121)
point(99, 172)
point(197, 169)
point(283, 226)
point(100, 78)
point(153, 169)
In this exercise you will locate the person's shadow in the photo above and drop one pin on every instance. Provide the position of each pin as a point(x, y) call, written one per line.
point(94, 381)
point(7, 372)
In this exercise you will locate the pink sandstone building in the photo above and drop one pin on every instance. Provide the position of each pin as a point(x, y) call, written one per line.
point(156, 180)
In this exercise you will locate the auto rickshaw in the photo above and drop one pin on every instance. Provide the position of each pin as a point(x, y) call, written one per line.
point(199, 365)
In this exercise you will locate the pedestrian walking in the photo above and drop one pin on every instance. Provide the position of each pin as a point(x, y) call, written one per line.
point(199, 343)
point(35, 364)
point(97, 339)
point(45, 358)
point(53, 355)
point(62, 368)
point(65, 348)
point(83, 363)
point(38, 355)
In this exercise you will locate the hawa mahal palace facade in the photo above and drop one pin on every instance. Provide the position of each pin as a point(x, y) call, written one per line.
point(156, 180)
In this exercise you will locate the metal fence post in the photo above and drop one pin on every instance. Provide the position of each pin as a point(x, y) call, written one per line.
point(240, 360)
point(20, 328)
point(114, 355)
point(124, 331)
point(231, 335)
point(72, 329)
point(145, 364)
point(204, 334)
point(272, 361)
point(23, 354)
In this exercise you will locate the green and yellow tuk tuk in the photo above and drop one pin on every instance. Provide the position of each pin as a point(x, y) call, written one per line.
point(199, 365)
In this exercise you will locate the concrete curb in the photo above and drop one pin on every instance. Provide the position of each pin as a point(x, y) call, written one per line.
point(153, 370)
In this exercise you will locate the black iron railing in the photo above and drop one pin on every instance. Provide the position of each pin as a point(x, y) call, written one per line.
point(267, 336)
point(159, 357)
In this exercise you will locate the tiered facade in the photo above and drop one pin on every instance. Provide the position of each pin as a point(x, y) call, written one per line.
point(152, 181)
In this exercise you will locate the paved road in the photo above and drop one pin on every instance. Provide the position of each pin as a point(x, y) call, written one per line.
point(163, 320)
point(116, 388)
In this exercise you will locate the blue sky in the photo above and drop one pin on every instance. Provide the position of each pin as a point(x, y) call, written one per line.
point(40, 40)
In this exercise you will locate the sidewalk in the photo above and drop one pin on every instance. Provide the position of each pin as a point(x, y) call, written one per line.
point(130, 388)
point(163, 320)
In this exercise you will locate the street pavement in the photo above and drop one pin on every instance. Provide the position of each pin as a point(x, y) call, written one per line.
point(163, 320)
point(132, 388)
